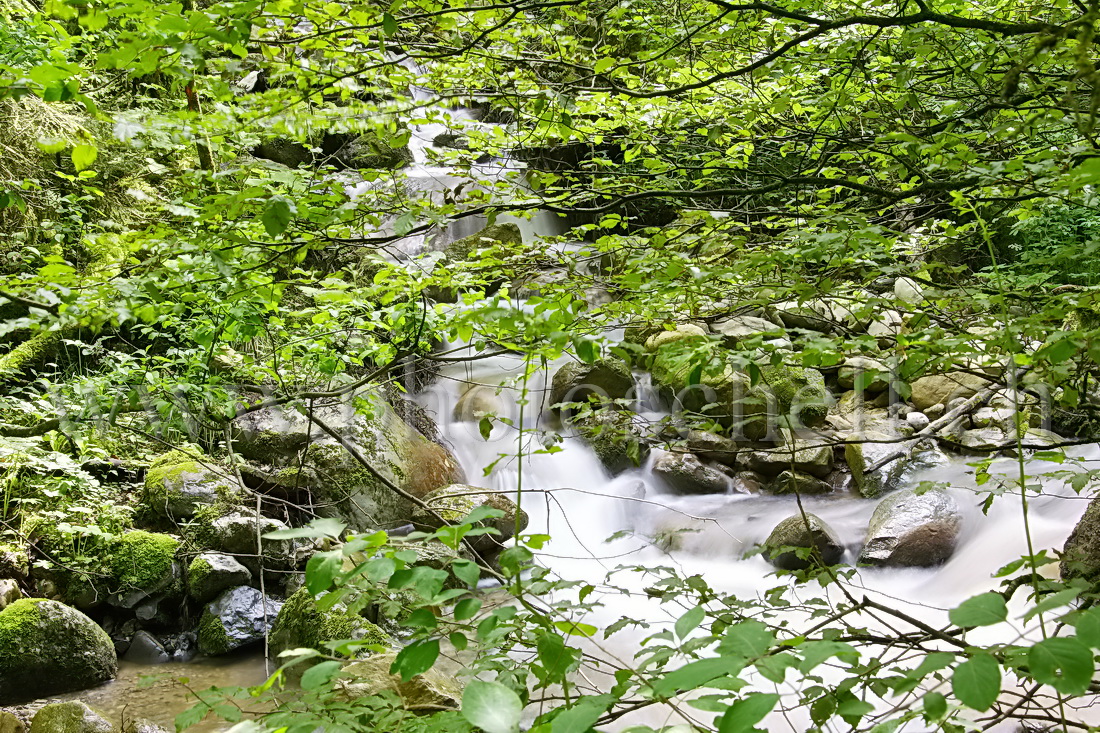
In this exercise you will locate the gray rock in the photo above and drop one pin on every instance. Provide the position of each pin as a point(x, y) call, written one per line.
point(982, 440)
point(712, 447)
point(213, 572)
point(873, 374)
point(236, 534)
point(605, 379)
point(917, 420)
point(451, 503)
point(939, 389)
point(795, 482)
point(146, 649)
point(736, 329)
point(686, 474)
point(68, 717)
point(479, 401)
point(50, 648)
point(177, 490)
point(239, 617)
point(1081, 553)
point(911, 530)
point(885, 327)
point(794, 531)
point(9, 592)
point(864, 451)
point(804, 456)
point(908, 291)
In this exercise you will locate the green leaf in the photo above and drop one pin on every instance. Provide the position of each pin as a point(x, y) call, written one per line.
point(695, 674)
point(555, 657)
point(575, 628)
point(687, 623)
point(984, 610)
point(321, 570)
point(466, 571)
point(467, 608)
point(935, 707)
point(748, 638)
point(277, 215)
point(1088, 627)
point(587, 351)
point(485, 426)
point(321, 527)
point(744, 714)
point(389, 24)
point(1064, 663)
point(977, 681)
point(603, 65)
point(84, 156)
point(320, 675)
point(416, 658)
point(492, 707)
point(581, 716)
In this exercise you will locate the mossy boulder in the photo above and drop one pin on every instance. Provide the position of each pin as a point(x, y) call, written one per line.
point(939, 389)
point(616, 437)
point(9, 723)
point(213, 572)
point(686, 474)
point(491, 236)
point(301, 624)
point(69, 717)
point(1081, 553)
point(796, 482)
point(800, 392)
point(143, 564)
point(395, 451)
point(605, 379)
point(239, 533)
point(47, 648)
point(430, 690)
point(809, 533)
point(176, 490)
point(239, 617)
point(454, 502)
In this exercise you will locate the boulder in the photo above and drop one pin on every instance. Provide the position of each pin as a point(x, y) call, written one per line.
point(47, 648)
point(605, 379)
point(712, 447)
point(491, 236)
point(873, 375)
point(863, 451)
point(146, 649)
point(239, 617)
point(399, 454)
point(144, 565)
point(738, 329)
point(982, 440)
point(805, 456)
point(213, 572)
point(301, 624)
point(176, 490)
point(616, 436)
point(479, 401)
point(1081, 553)
point(908, 291)
point(683, 332)
point(885, 327)
point(811, 532)
point(68, 717)
point(9, 592)
point(454, 502)
point(917, 420)
point(912, 530)
point(236, 534)
point(11, 724)
point(431, 690)
point(939, 389)
point(827, 315)
point(686, 474)
point(795, 482)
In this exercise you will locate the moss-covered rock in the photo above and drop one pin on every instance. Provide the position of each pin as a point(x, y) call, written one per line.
point(239, 617)
point(616, 437)
point(213, 572)
point(606, 379)
point(811, 532)
point(47, 648)
point(1081, 553)
point(301, 624)
point(452, 503)
point(143, 563)
point(433, 689)
point(800, 393)
point(68, 717)
point(176, 490)
point(490, 236)
point(239, 533)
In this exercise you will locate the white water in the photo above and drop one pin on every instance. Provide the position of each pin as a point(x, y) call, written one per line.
point(570, 497)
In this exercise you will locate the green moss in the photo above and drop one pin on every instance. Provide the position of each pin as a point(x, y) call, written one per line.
point(197, 572)
point(143, 559)
point(490, 236)
point(801, 387)
point(30, 353)
point(17, 622)
point(212, 637)
point(301, 624)
point(159, 474)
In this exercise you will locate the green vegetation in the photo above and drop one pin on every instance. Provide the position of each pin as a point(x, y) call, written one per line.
point(143, 559)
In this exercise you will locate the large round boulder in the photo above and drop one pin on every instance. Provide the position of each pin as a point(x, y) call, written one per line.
point(395, 453)
point(144, 566)
point(908, 529)
point(47, 648)
point(69, 717)
point(939, 389)
point(810, 533)
point(210, 573)
point(301, 624)
point(451, 504)
point(605, 379)
point(176, 486)
point(686, 474)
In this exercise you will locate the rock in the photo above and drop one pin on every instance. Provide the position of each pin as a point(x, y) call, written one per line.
point(863, 451)
point(685, 331)
point(912, 530)
point(982, 440)
point(826, 315)
point(496, 235)
point(479, 401)
point(801, 455)
point(430, 690)
point(453, 140)
point(873, 375)
point(143, 564)
point(935, 412)
point(236, 534)
point(68, 717)
point(453, 503)
point(939, 389)
point(616, 436)
point(1081, 553)
point(712, 447)
point(47, 648)
point(300, 624)
point(175, 491)
point(15, 563)
point(801, 393)
point(917, 420)
point(686, 474)
point(908, 291)
point(737, 329)
point(146, 649)
point(401, 455)
point(885, 327)
point(11, 724)
point(9, 592)
point(810, 532)
point(213, 572)
point(606, 379)
point(792, 482)
point(239, 617)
